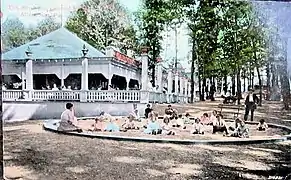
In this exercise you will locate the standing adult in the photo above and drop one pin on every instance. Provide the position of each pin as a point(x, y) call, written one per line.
point(251, 102)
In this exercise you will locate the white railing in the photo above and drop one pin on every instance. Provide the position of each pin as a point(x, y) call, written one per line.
point(12, 95)
point(90, 96)
point(157, 97)
point(114, 95)
point(55, 95)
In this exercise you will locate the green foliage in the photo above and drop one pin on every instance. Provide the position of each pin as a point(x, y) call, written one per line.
point(16, 34)
point(44, 27)
point(152, 20)
point(13, 33)
point(103, 23)
point(228, 35)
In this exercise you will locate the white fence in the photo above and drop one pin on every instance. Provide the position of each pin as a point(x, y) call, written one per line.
point(89, 96)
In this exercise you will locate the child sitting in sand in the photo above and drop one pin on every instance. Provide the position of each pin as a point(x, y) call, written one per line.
point(205, 120)
point(112, 126)
point(105, 116)
point(166, 128)
point(240, 129)
point(262, 126)
point(179, 122)
point(213, 116)
point(152, 126)
point(197, 127)
point(219, 125)
point(187, 119)
point(97, 126)
point(130, 122)
point(170, 112)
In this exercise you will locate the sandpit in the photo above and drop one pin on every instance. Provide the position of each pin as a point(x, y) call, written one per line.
point(183, 135)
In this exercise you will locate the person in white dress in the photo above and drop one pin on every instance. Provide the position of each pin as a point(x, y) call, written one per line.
point(198, 127)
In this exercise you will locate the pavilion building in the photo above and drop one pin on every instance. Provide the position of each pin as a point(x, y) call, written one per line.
point(61, 58)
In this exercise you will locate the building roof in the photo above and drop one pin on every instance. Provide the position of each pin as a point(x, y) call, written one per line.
point(59, 44)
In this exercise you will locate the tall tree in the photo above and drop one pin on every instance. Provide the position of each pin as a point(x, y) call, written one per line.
point(42, 28)
point(103, 23)
point(13, 33)
point(155, 16)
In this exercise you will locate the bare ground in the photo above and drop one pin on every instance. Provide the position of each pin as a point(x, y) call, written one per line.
point(32, 153)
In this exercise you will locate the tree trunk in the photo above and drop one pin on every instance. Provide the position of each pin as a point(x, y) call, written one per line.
point(253, 76)
point(199, 86)
point(239, 96)
point(1, 128)
point(233, 85)
point(244, 84)
point(224, 82)
point(202, 95)
point(153, 75)
point(276, 76)
point(250, 80)
point(285, 84)
point(260, 84)
point(273, 75)
point(193, 71)
point(268, 81)
point(154, 66)
point(285, 90)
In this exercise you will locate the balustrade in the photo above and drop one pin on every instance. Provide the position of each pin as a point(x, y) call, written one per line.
point(90, 95)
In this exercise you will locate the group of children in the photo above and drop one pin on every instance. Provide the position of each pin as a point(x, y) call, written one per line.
point(172, 123)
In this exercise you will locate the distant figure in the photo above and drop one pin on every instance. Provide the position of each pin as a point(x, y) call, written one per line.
point(55, 88)
point(136, 87)
point(228, 98)
point(251, 104)
point(150, 86)
point(262, 126)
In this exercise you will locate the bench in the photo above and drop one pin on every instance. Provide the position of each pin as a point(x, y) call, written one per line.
point(231, 106)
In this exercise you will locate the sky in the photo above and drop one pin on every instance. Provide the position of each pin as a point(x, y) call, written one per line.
point(23, 10)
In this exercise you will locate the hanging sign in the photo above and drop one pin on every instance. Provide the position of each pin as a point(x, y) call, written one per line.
point(122, 57)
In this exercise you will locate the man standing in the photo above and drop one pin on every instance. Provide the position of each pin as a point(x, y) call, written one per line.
point(251, 104)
